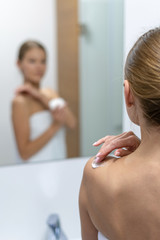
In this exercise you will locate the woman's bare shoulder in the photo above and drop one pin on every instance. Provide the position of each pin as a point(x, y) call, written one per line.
point(92, 168)
point(106, 175)
point(20, 104)
point(50, 93)
point(19, 100)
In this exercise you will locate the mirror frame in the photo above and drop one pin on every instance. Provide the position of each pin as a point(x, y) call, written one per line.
point(68, 65)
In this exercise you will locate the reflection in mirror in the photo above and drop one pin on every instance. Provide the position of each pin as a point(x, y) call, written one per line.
point(39, 115)
point(100, 64)
point(19, 24)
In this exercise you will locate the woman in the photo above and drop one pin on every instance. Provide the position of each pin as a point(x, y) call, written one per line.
point(39, 129)
point(120, 199)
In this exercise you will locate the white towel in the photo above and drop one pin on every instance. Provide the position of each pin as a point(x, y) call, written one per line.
point(55, 148)
point(101, 237)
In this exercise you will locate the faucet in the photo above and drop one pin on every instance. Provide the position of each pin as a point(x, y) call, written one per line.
point(56, 232)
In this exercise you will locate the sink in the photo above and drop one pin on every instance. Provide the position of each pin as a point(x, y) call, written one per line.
point(31, 192)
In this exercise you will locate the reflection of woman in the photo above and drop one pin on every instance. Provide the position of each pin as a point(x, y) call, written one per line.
point(120, 199)
point(39, 130)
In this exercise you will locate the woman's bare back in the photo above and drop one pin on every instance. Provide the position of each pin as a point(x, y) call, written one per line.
point(123, 203)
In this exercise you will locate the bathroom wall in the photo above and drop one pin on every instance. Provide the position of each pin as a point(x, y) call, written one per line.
point(139, 17)
point(21, 20)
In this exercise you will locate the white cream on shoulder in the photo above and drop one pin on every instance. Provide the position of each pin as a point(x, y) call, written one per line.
point(96, 165)
point(102, 163)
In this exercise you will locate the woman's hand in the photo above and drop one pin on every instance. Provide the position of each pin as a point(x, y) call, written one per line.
point(59, 115)
point(64, 116)
point(32, 91)
point(124, 144)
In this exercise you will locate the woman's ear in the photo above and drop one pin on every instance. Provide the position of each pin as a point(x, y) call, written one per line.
point(130, 103)
point(129, 98)
point(18, 64)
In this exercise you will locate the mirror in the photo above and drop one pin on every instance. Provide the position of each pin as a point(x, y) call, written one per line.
point(100, 62)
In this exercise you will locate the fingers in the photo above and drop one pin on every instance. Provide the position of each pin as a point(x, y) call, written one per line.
point(125, 140)
point(99, 142)
point(59, 114)
point(106, 148)
point(110, 144)
point(108, 138)
point(21, 89)
point(122, 152)
point(29, 90)
point(59, 110)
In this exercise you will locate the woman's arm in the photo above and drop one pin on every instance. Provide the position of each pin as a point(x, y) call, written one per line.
point(20, 119)
point(70, 120)
point(98, 190)
point(37, 94)
point(68, 116)
point(44, 96)
point(88, 230)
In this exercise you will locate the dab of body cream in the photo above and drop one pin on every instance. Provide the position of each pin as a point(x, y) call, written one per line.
point(96, 165)
point(101, 164)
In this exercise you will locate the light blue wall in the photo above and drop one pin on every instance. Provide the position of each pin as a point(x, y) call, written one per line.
point(101, 67)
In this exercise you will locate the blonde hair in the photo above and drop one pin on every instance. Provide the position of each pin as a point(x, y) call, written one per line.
point(26, 46)
point(142, 70)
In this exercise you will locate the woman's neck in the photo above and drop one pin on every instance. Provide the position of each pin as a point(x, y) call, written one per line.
point(150, 141)
point(35, 85)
